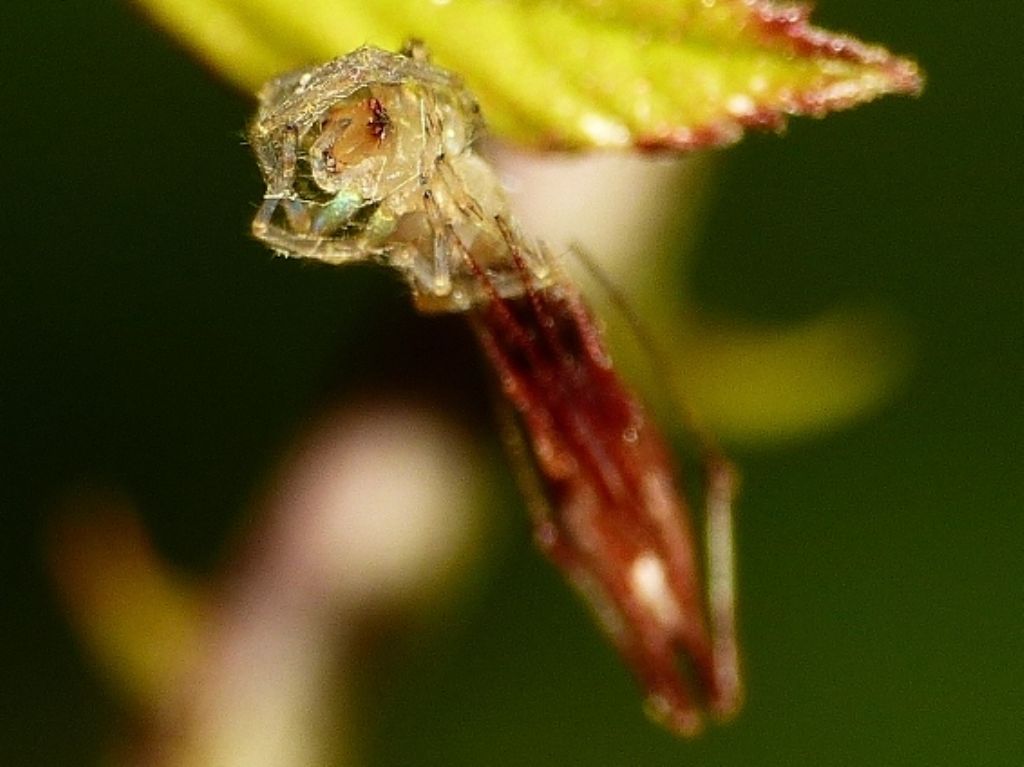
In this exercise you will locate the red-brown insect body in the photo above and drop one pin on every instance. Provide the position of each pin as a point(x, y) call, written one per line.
point(615, 522)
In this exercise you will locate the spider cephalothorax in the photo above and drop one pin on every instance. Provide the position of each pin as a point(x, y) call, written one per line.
point(371, 157)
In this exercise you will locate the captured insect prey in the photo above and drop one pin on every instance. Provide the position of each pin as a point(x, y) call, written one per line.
point(370, 157)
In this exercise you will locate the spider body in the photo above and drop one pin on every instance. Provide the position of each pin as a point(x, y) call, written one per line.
point(370, 157)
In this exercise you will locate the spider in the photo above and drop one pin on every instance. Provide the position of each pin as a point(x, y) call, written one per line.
point(370, 157)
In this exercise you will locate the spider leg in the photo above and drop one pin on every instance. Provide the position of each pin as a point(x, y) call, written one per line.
point(719, 496)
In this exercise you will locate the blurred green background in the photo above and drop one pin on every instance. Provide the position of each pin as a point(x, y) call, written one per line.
point(148, 345)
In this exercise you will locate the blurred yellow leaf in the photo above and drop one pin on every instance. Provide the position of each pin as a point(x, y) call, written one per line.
point(140, 620)
point(675, 74)
point(751, 383)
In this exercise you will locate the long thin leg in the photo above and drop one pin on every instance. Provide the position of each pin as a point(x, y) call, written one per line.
point(720, 493)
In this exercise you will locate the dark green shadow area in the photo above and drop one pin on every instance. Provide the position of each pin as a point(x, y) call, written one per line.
point(148, 345)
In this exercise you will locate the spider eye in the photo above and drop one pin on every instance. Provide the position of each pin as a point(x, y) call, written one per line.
point(352, 131)
point(380, 121)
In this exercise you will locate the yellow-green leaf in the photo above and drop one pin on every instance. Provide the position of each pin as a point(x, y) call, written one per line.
point(658, 74)
point(754, 384)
